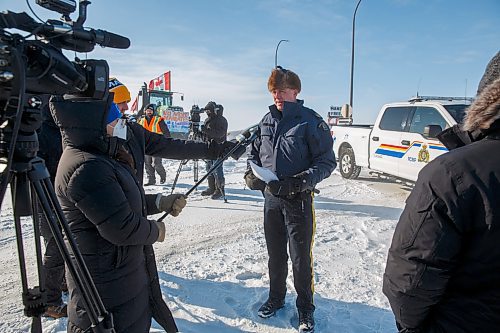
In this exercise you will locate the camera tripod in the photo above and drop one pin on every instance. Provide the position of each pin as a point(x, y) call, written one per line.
point(195, 172)
point(30, 183)
point(247, 137)
point(32, 188)
point(194, 135)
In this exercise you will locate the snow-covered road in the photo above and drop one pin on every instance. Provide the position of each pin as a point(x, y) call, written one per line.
point(213, 264)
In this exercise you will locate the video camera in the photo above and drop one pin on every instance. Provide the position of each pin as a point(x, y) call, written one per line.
point(195, 122)
point(30, 69)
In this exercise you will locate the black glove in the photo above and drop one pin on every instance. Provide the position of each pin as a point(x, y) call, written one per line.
point(290, 185)
point(253, 182)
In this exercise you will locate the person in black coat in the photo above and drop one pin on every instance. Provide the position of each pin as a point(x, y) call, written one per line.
point(99, 187)
point(443, 266)
point(214, 128)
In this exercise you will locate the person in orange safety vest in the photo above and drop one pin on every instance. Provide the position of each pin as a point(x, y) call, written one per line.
point(156, 124)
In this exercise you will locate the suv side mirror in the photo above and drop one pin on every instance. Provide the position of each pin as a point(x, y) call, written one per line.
point(431, 131)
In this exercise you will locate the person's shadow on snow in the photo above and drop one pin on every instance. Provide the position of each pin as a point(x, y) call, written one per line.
point(239, 304)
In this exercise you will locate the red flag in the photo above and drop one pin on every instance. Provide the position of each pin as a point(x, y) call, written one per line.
point(166, 80)
point(151, 84)
point(134, 106)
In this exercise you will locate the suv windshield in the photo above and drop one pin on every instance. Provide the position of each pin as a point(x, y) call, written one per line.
point(457, 111)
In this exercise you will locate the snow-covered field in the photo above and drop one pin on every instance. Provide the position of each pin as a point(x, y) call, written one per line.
point(213, 263)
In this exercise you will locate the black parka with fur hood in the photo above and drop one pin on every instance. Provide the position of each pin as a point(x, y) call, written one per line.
point(443, 267)
point(99, 187)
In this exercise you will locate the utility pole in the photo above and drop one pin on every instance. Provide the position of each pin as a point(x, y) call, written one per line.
point(276, 54)
point(352, 51)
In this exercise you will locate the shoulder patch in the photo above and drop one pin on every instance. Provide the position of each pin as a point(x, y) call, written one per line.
point(323, 126)
point(317, 115)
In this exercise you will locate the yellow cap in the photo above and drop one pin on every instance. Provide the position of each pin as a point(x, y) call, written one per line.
point(122, 94)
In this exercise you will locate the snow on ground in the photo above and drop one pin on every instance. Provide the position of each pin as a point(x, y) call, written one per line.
point(213, 263)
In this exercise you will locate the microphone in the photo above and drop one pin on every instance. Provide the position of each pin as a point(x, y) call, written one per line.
point(247, 133)
point(101, 37)
point(109, 39)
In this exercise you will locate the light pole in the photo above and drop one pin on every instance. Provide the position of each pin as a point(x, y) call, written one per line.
point(352, 51)
point(276, 54)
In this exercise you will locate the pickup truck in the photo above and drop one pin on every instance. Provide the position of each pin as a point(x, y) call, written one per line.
point(402, 140)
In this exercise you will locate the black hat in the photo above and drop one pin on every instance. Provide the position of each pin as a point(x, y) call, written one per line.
point(211, 106)
point(150, 106)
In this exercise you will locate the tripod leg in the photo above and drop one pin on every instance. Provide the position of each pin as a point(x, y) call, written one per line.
point(177, 176)
point(34, 299)
point(195, 170)
point(101, 320)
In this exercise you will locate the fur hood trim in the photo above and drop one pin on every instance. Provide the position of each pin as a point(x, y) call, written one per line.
point(485, 110)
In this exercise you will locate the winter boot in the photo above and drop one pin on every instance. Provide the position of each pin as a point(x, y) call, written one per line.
point(211, 186)
point(269, 308)
point(56, 311)
point(306, 321)
point(150, 182)
point(219, 193)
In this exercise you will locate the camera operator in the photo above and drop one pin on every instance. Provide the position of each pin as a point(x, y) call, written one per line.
point(214, 128)
point(99, 187)
point(156, 124)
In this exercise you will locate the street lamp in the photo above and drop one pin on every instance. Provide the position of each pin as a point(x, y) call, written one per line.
point(352, 50)
point(276, 54)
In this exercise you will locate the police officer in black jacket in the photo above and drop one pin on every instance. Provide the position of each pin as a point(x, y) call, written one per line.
point(295, 143)
point(443, 267)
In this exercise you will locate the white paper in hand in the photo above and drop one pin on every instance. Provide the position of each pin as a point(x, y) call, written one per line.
point(263, 174)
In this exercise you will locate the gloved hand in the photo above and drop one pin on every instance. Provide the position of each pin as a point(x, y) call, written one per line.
point(290, 185)
point(161, 231)
point(253, 182)
point(172, 203)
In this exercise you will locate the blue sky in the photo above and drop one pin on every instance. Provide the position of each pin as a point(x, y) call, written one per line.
point(223, 50)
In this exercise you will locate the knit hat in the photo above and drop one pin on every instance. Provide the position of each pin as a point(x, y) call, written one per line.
point(122, 94)
point(491, 73)
point(283, 78)
point(151, 106)
point(113, 113)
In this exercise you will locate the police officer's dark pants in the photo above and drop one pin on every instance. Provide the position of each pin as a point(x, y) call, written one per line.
point(154, 163)
point(290, 221)
point(53, 265)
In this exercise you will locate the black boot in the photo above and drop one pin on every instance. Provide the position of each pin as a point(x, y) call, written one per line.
point(211, 186)
point(150, 182)
point(219, 193)
point(269, 308)
point(306, 321)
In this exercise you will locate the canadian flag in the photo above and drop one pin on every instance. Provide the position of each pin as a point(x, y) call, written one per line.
point(162, 82)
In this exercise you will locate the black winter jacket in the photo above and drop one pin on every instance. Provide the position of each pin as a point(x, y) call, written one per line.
point(105, 206)
point(293, 141)
point(215, 128)
point(443, 267)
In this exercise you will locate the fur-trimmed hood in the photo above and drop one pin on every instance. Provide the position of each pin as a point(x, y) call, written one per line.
point(485, 110)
